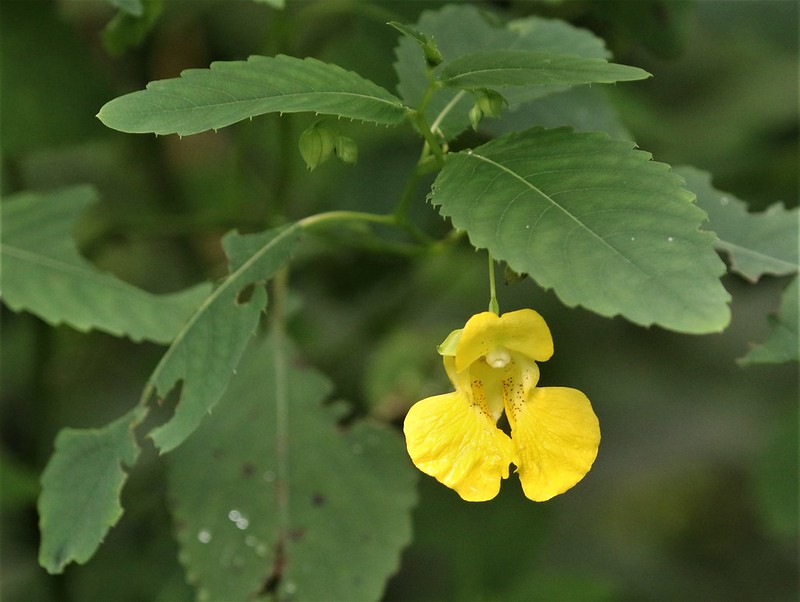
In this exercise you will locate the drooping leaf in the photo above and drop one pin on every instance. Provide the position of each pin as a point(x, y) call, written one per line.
point(206, 352)
point(270, 491)
point(592, 218)
point(44, 273)
point(81, 487)
point(782, 343)
point(756, 243)
point(273, 3)
point(128, 30)
point(465, 30)
point(231, 91)
point(499, 68)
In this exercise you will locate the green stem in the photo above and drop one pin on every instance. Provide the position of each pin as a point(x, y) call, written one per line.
point(493, 305)
point(313, 222)
point(431, 143)
point(430, 139)
point(400, 212)
point(321, 219)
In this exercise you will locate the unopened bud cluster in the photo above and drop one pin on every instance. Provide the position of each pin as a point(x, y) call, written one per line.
point(320, 141)
point(487, 102)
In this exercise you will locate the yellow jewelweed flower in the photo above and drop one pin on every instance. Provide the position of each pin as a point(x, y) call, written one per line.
point(492, 365)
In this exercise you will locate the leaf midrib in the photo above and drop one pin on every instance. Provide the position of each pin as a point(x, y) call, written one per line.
point(87, 272)
point(556, 205)
point(548, 67)
point(210, 300)
point(391, 103)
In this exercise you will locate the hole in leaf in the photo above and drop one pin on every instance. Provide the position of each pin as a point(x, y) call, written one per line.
point(161, 409)
point(244, 295)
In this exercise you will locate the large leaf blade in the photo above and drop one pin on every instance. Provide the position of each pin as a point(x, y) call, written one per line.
point(231, 91)
point(501, 68)
point(81, 487)
point(206, 352)
point(243, 522)
point(595, 220)
point(462, 30)
point(756, 243)
point(44, 273)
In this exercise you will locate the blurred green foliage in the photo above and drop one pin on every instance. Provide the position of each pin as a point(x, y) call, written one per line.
point(694, 494)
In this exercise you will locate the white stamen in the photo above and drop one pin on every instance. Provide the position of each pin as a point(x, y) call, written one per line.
point(498, 357)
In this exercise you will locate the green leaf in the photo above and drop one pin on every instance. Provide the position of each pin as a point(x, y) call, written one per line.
point(782, 343)
point(532, 68)
point(583, 108)
point(595, 220)
point(756, 243)
point(294, 502)
point(206, 352)
point(231, 91)
point(44, 273)
point(463, 30)
point(273, 3)
point(81, 486)
point(129, 30)
point(132, 7)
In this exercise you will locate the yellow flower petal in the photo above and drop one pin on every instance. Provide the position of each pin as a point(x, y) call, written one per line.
point(523, 331)
point(458, 443)
point(556, 435)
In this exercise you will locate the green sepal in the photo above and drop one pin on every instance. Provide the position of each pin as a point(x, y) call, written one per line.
point(346, 149)
point(491, 103)
point(317, 144)
point(448, 346)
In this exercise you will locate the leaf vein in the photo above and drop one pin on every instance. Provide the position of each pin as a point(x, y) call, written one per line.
point(532, 187)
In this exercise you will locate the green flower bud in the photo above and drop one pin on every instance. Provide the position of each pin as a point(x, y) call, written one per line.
point(346, 149)
point(317, 144)
point(491, 103)
point(475, 116)
point(432, 55)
